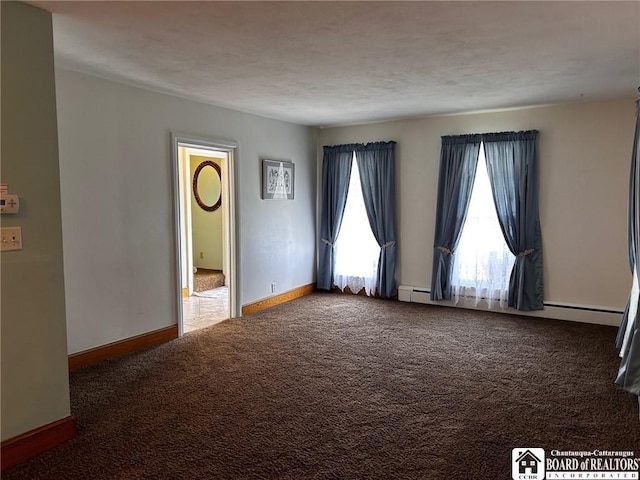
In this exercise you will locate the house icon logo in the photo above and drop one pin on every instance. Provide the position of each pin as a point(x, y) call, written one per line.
point(527, 464)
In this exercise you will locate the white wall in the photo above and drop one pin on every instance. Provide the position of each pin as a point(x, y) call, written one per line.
point(584, 158)
point(35, 381)
point(117, 204)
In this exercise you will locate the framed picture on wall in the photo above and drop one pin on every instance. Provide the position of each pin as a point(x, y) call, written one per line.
point(278, 180)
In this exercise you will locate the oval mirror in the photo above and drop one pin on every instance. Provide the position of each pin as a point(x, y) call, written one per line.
point(207, 186)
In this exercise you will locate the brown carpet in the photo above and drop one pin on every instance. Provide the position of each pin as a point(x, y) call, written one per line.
point(344, 387)
point(205, 279)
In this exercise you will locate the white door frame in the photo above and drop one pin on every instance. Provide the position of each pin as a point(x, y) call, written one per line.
point(184, 156)
point(229, 198)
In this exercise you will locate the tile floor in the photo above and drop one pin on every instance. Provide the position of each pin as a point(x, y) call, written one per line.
point(204, 309)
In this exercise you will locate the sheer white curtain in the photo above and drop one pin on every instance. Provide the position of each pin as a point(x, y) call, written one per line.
point(356, 251)
point(482, 262)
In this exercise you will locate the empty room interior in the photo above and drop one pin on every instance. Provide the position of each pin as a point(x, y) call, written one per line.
point(320, 239)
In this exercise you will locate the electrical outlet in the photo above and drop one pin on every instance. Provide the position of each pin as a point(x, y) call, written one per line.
point(11, 239)
point(273, 287)
point(201, 254)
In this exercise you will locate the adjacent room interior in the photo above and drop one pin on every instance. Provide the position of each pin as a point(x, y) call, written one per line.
point(192, 198)
point(204, 229)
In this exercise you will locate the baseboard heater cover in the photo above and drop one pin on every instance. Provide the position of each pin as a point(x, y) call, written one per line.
point(555, 310)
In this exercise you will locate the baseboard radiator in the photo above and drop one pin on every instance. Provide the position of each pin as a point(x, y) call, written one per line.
point(555, 310)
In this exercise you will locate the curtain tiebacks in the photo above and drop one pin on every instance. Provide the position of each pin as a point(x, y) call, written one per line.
point(444, 249)
point(524, 253)
point(324, 240)
point(389, 244)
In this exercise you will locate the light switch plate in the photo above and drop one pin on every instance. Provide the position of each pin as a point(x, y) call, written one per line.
point(11, 239)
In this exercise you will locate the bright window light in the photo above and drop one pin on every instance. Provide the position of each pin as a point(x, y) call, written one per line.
point(356, 249)
point(482, 262)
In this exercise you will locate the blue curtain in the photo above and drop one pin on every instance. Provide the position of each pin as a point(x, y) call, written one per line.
point(628, 339)
point(336, 172)
point(376, 165)
point(458, 162)
point(512, 164)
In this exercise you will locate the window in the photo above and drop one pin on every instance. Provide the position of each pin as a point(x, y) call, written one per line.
point(482, 262)
point(356, 249)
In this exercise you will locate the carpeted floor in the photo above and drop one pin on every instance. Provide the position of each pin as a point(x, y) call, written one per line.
point(344, 387)
point(205, 279)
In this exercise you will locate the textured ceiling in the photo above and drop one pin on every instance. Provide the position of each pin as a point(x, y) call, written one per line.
point(328, 63)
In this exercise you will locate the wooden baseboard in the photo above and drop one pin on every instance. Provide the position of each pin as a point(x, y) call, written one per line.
point(185, 292)
point(278, 299)
point(122, 347)
point(29, 444)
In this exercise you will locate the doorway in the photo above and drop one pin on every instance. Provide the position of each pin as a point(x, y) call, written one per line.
point(204, 226)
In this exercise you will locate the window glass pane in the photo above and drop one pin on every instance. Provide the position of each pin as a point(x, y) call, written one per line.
point(482, 262)
point(356, 249)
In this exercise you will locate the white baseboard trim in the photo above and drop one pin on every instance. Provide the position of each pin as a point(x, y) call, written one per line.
point(554, 310)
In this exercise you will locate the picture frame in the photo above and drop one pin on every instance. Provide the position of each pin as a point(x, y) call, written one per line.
point(278, 180)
